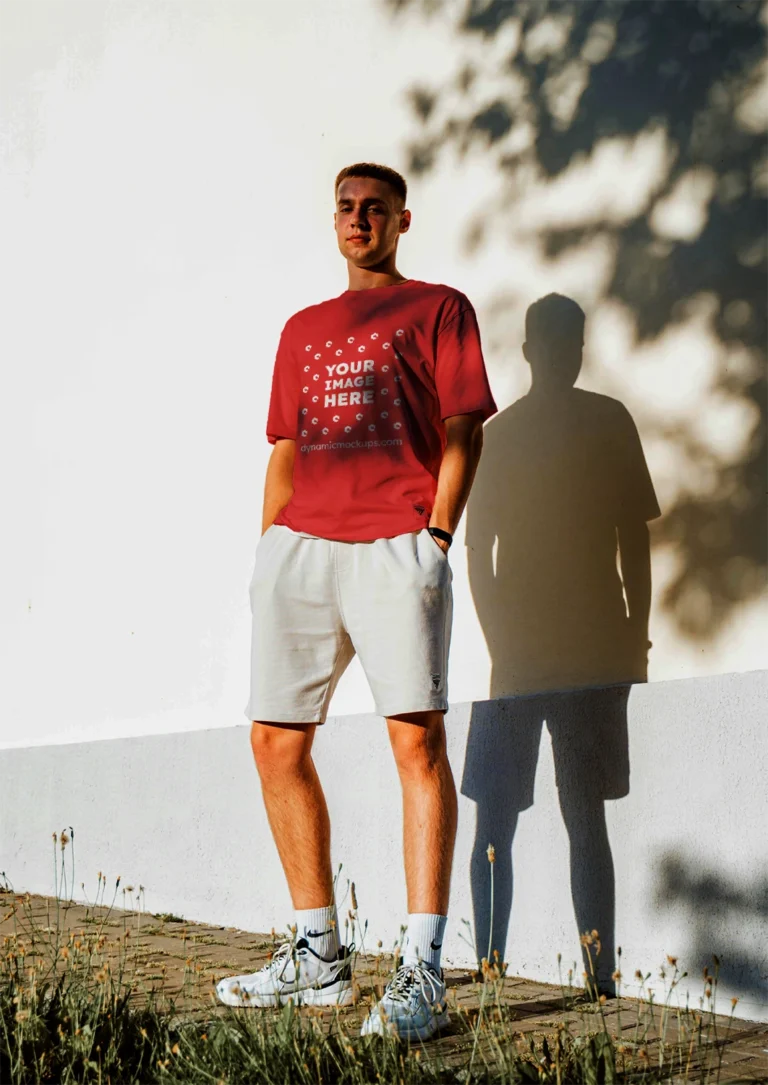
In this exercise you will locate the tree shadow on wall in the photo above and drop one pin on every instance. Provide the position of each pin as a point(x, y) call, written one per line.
point(719, 915)
point(562, 489)
point(544, 88)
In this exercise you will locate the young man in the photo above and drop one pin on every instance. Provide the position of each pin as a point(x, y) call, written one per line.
point(376, 414)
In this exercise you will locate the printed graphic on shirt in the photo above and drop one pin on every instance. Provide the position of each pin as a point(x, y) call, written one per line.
point(350, 396)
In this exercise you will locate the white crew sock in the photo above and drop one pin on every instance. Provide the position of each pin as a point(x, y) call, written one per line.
point(320, 927)
point(424, 939)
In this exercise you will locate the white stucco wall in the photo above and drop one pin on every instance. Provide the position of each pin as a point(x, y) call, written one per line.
point(166, 197)
point(182, 816)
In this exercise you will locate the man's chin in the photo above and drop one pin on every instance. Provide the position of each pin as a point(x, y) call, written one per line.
point(361, 255)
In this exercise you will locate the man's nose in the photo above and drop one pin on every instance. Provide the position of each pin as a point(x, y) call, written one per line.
point(360, 220)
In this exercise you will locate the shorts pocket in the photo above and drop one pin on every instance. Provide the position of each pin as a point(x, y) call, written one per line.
point(264, 548)
point(435, 545)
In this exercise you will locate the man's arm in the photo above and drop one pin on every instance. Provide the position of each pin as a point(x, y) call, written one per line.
point(278, 484)
point(635, 557)
point(464, 434)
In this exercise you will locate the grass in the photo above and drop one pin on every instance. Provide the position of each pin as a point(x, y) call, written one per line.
point(74, 1008)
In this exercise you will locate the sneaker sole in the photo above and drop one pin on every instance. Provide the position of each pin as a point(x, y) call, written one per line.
point(376, 1027)
point(337, 994)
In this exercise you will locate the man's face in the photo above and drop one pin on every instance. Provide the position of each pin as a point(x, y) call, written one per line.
point(369, 219)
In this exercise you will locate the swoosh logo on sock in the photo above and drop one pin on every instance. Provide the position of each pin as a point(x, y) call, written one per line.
point(318, 934)
point(433, 946)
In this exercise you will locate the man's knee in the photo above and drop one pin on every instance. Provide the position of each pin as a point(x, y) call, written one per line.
point(418, 742)
point(280, 748)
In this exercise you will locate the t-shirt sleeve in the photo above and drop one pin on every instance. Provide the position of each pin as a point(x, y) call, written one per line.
point(636, 495)
point(460, 377)
point(283, 415)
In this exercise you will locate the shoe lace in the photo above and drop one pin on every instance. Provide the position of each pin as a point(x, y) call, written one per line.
point(407, 977)
point(279, 957)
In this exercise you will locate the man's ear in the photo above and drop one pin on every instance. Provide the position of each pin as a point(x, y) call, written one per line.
point(405, 220)
point(526, 353)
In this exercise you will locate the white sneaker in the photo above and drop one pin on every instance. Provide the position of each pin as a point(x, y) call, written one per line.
point(295, 973)
point(413, 1006)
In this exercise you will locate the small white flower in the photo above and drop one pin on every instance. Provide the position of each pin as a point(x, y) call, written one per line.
point(304, 410)
point(315, 399)
point(399, 332)
point(396, 402)
point(371, 426)
point(317, 356)
point(351, 339)
point(359, 417)
point(347, 429)
point(329, 343)
point(385, 391)
point(336, 418)
point(386, 346)
point(361, 349)
point(397, 425)
point(384, 414)
point(374, 335)
point(325, 431)
point(398, 377)
point(338, 352)
point(307, 368)
point(305, 390)
point(316, 377)
point(315, 421)
point(385, 369)
point(308, 346)
point(303, 433)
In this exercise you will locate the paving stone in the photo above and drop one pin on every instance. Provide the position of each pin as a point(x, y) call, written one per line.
point(180, 961)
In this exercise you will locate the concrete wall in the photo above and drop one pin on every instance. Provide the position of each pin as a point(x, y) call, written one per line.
point(153, 157)
point(682, 833)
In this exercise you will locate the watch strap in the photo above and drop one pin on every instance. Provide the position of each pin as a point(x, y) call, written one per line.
point(438, 533)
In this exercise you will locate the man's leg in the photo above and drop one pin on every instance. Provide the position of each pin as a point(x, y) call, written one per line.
point(429, 813)
point(296, 809)
point(312, 968)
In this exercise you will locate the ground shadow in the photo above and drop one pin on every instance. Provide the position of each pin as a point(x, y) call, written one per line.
point(562, 492)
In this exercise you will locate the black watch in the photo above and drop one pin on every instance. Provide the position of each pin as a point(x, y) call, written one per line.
point(438, 533)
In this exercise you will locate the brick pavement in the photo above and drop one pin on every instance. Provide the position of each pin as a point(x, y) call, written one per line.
point(182, 960)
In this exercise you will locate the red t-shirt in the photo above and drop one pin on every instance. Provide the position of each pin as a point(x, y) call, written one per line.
point(362, 383)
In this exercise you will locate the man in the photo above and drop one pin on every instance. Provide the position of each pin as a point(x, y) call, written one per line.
point(378, 401)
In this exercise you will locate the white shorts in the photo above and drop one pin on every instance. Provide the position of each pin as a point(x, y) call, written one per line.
point(315, 602)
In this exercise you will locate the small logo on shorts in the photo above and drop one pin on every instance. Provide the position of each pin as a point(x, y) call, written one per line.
point(420, 509)
point(436, 681)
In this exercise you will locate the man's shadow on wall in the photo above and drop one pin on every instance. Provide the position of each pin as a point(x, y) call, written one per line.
point(562, 490)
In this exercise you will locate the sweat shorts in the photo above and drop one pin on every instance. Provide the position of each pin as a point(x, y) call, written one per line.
point(316, 602)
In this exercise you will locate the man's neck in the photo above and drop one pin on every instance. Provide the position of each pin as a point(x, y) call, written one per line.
point(365, 278)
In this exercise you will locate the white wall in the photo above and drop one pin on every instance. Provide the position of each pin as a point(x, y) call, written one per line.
point(167, 197)
point(182, 816)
